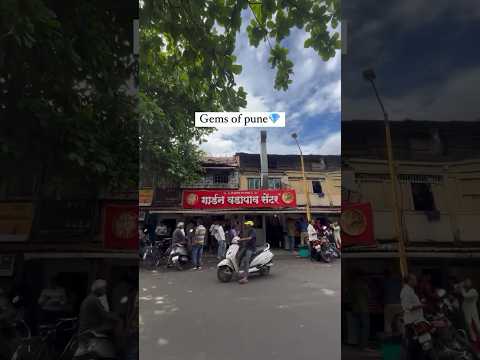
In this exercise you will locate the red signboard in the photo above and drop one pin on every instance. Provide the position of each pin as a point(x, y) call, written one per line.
point(231, 199)
point(121, 227)
point(356, 222)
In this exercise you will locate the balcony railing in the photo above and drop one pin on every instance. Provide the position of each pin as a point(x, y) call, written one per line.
point(211, 184)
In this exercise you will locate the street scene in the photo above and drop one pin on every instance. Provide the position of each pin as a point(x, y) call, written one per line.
point(191, 315)
point(240, 236)
point(68, 193)
point(410, 182)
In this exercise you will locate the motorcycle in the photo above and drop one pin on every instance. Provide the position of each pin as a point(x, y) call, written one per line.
point(452, 343)
point(321, 250)
point(423, 331)
point(261, 262)
point(178, 257)
point(95, 345)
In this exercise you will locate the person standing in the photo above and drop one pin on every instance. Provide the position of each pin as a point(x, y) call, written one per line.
point(52, 301)
point(412, 312)
point(360, 299)
point(219, 235)
point(470, 309)
point(250, 248)
point(303, 231)
point(178, 236)
point(291, 235)
point(198, 244)
point(312, 236)
point(391, 296)
point(337, 234)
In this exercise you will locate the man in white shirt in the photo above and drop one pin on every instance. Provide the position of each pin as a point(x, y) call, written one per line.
point(219, 234)
point(470, 309)
point(412, 312)
point(312, 235)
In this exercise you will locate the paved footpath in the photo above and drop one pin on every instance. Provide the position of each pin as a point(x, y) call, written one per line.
point(291, 314)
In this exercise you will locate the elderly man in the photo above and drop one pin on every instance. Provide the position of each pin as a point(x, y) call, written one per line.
point(93, 314)
point(413, 312)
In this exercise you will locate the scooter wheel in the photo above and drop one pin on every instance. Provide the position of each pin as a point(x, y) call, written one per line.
point(224, 274)
point(265, 271)
point(325, 257)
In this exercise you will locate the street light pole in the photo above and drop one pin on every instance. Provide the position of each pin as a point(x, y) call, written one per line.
point(370, 76)
point(305, 187)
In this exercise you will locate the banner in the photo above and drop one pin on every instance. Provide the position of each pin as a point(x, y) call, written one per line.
point(356, 222)
point(121, 227)
point(15, 221)
point(233, 199)
point(145, 197)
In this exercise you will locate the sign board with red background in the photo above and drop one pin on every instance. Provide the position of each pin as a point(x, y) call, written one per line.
point(232, 199)
point(121, 226)
point(356, 222)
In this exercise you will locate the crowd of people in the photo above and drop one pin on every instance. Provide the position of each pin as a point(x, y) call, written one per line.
point(413, 301)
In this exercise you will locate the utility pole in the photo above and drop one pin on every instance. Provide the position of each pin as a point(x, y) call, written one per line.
point(370, 76)
point(305, 186)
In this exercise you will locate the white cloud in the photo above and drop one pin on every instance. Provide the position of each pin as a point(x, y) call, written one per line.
point(315, 90)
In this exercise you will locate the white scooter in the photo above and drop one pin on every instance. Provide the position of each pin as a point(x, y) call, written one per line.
point(260, 263)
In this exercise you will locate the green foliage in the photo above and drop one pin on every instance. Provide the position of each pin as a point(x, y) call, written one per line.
point(64, 109)
point(188, 65)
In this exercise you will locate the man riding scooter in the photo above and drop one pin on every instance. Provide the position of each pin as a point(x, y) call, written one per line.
point(249, 248)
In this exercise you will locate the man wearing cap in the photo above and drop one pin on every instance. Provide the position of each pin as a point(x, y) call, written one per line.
point(250, 248)
point(93, 314)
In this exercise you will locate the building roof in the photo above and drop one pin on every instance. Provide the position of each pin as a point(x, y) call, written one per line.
point(290, 162)
point(220, 161)
point(430, 141)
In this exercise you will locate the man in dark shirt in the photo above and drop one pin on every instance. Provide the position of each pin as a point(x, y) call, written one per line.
point(93, 315)
point(250, 248)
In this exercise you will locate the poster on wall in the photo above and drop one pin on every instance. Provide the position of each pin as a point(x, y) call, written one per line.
point(15, 221)
point(7, 263)
point(145, 197)
point(231, 199)
point(356, 222)
point(120, 227)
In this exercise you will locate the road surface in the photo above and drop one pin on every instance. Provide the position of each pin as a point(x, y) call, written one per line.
point(291, 314)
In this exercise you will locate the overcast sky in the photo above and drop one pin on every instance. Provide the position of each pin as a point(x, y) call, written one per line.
point(311, 104)
point(426, 55)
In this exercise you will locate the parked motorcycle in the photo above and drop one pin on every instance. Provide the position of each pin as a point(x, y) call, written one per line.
point(178, 257)
point(260, 263)
point(321, 250)
point(423, 331)
point(452, 343)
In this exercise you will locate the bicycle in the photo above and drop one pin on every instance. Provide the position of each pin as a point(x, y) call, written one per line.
point(155, 253)
point(43, 347)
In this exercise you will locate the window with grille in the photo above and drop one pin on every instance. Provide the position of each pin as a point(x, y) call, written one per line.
point(221, 179)
point(423, 197)
point(254, 183)
point(317, 188)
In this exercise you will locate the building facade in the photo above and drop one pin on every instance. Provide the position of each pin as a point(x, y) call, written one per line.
point(438, 169)
point(242, 172)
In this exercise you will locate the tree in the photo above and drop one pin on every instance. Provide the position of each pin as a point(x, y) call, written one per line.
point(188, 64)
point(68, 116)
point(67, 112)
